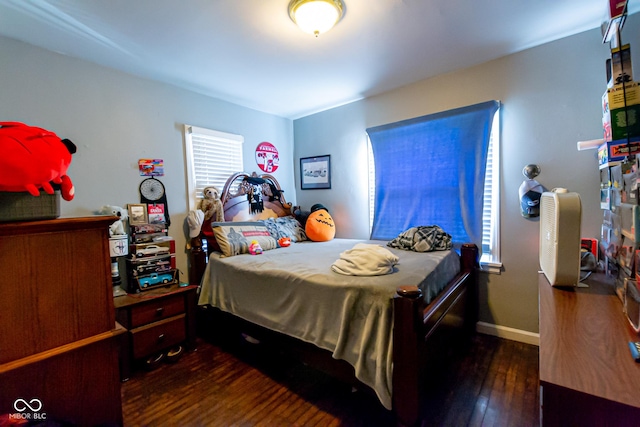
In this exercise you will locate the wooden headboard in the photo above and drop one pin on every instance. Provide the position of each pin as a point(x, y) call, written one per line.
point(268, 202)
point(236, 193)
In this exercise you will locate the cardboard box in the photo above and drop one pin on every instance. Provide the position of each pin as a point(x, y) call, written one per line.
point(630, 221)
point(621, 95)
point(613, 19)
point(630, 182)
point(616, 151)
point(621, 67)
point(621, 111)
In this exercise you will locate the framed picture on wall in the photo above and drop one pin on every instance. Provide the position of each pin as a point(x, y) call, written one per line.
point(315, 172)
point(137, 214)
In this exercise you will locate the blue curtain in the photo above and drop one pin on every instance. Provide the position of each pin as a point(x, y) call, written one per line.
point(430, 170)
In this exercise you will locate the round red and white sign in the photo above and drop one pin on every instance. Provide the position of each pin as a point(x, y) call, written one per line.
point(267, 157)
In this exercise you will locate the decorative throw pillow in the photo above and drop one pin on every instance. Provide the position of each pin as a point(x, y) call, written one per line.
point(286, 226)
point(320, 226)
point(234, 238)
point(424, 238)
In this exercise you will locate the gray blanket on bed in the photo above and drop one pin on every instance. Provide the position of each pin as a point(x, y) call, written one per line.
point(294, 291)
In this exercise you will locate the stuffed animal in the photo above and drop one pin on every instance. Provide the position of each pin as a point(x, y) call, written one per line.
point(211, 205)
point(284, 242)
point(117, 228)
point(33, 159)
point(320, 226)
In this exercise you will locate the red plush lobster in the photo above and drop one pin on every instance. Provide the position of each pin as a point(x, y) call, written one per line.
point(34, 159)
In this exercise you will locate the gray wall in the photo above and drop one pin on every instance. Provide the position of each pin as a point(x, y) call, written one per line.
point(116, 119)
point(551, 99)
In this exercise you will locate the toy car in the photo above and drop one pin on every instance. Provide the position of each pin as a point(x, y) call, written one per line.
point(154, 279)
point(158, 265)
point(152, 250)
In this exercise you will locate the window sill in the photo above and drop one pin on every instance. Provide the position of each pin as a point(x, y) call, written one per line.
point(491, 267)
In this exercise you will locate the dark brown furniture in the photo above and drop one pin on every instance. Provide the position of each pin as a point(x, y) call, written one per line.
point(58, 334)
point(587, 374)
point(156, 320)
point(422, 334)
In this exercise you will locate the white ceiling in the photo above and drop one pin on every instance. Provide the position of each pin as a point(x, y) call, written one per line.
point(250, 53)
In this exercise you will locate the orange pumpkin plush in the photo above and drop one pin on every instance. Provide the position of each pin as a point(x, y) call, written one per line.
point(320, 226)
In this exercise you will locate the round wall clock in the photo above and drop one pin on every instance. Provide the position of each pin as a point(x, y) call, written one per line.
point(152, 189)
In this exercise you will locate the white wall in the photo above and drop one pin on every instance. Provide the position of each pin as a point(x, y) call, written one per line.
point(551, 99)
point(116, 119)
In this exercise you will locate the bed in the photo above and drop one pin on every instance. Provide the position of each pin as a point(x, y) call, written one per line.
point(380, 330)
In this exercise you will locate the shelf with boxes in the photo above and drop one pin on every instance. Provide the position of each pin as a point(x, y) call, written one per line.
point(573, 389)
point(619, 163)
point(151, 261)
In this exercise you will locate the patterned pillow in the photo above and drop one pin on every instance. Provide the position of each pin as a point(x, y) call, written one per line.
point(424, 238)
point(234, 238)
point(286, 226)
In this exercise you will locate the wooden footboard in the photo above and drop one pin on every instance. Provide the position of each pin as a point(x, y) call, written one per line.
point(415, 327)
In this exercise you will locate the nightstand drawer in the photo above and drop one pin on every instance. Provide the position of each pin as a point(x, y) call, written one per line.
point(155, 310)
point(158, 336)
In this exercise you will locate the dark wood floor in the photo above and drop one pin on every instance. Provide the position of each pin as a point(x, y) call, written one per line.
point(495, 383)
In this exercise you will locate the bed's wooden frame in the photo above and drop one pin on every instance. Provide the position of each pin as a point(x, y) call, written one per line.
point(420, 330)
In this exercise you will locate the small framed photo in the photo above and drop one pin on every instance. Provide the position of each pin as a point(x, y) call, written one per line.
point(137, 214)
point(315, 172)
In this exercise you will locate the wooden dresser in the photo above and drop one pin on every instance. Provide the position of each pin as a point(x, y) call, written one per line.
point(587, 374)
point(58, 334)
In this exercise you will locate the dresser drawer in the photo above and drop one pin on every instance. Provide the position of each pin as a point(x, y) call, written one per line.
point(158, 336)
point(158, 309)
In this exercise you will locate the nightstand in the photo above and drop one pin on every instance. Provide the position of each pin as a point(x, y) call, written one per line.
point(156, 320)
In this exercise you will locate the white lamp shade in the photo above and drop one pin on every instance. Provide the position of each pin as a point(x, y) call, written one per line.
point(316, 16)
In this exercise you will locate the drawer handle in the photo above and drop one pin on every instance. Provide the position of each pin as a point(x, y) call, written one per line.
point(160, 338)
point(159, 311)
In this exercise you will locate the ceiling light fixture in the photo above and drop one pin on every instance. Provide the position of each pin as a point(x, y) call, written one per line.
point(316, 16)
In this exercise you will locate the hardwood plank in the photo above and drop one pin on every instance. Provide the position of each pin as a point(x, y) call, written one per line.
point(501, 397)
point(495, 382)
point(484, 411)
point(468, 378)
point(531, 412)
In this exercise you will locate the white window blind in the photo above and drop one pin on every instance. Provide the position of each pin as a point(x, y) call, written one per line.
point(211, 157)
point(491, 209)
point(372, 182)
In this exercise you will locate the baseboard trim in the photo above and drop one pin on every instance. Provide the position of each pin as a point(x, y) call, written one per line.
point(508, 333)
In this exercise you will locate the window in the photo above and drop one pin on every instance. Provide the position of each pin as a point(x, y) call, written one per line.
point(446, 157)
point(211, 157)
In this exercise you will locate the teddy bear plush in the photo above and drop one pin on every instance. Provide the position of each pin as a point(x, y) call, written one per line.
point(211, 205)
point(117, 228)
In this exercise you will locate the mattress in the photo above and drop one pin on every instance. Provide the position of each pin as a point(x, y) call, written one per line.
point(294, 291)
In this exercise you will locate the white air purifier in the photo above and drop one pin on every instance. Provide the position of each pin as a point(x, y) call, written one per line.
point(560, 218)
